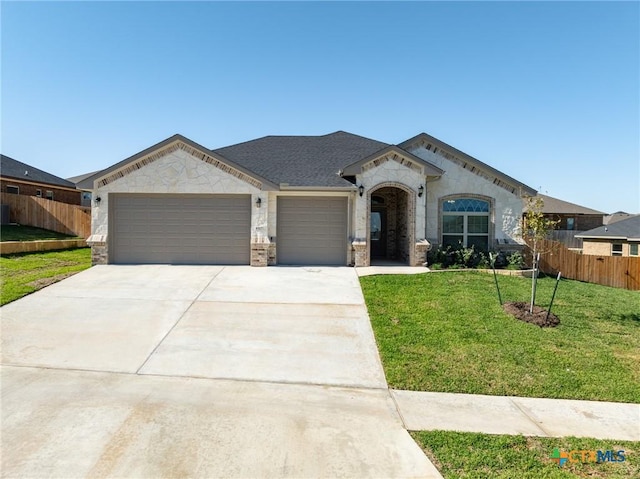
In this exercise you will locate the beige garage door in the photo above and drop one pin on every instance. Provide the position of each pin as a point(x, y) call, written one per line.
point(180, 229)
point(312, 230)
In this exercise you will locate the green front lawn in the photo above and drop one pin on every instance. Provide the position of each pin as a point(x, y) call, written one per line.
point(481, 456)
point(29, 233)
point(22, 274)
point(446, 332)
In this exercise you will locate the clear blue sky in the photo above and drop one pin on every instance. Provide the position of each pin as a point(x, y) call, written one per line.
point(548, 93)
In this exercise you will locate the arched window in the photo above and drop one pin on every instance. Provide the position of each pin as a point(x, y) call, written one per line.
point(465, 222)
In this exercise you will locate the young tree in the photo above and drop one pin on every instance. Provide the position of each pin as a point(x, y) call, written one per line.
point(536, 227)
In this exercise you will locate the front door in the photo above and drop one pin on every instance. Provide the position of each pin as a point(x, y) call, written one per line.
point(378, 233)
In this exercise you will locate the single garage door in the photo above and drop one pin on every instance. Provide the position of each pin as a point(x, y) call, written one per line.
point(312, 230)
point(180, 229)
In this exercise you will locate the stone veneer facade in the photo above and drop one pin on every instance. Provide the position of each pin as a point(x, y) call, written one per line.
point(180, 169)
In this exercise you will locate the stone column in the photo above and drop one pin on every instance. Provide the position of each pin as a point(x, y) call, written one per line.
point(421, 249)
point(259, 252)
point(361, 256)
point(99, 249)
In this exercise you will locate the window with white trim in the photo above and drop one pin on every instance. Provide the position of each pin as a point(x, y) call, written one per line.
point(616, 249)
point(465, 222)
point(633, 249)
point(48, 195)
point(39, 193)
point(15, 190)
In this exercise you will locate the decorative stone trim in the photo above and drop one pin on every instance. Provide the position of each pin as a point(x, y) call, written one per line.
point(99, 253)
point(272, 259)
point(394, 157)
point(421, 249)
point(361, 253)
point(179, 145)
point(259, 254)
point(466, 165)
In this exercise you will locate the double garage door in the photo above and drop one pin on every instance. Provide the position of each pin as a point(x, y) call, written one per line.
point(216, 229)
point(174, 229)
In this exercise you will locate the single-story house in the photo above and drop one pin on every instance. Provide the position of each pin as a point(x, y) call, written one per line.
point(336, 199)
point(615, 239)
point(20, 178)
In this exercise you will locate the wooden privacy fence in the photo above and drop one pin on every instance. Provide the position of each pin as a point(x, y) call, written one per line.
point(48, 214)
point(616, 271)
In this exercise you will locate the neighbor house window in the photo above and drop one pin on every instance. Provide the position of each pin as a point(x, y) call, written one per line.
point(633, 249)
point(13, 189)
point(570, 223)
point(465, 221)
point(39, 193)
point(49, 195)
point(616, 249)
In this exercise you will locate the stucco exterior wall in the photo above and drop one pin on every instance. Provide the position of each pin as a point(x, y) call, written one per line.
point(180, 173)
point(507, 207)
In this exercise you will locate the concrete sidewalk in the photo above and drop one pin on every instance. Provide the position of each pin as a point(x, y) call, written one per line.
point(518, 415)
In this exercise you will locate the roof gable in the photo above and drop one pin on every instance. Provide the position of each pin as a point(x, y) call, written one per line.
point(171, 144)
point(397, 154)
point(468, 162)
point(10, 168)
point(303, 161)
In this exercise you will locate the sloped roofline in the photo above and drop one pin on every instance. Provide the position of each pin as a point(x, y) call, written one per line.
point(558, 206)
point(525, 189)
point(356, 168)
point(88, 182)
point(52, 180)
point(619, 231)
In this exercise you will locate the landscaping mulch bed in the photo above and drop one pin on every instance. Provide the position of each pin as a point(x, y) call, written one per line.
point(520, 310)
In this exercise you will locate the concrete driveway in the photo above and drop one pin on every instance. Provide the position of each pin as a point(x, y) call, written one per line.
point(203, 371)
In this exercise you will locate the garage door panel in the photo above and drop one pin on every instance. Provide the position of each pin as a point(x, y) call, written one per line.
point(312, 230)
point(195, 229)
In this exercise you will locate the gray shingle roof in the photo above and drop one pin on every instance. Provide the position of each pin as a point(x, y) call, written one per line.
point(16, 169)
point(628, 229)
point(302, 160)
point(77, 179)
point(555, 205)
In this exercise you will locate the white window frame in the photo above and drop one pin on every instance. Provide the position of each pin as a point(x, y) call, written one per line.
point(636, 248)
point(39, 193)
point(17, 192)
point(48, 195)
point(466, 214)
point(614, 252)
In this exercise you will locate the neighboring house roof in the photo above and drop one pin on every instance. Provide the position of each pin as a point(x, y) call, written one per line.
point(617, 216)
point(467, 161)
point(79, 178)
point(628, 229)
point(314, 161)
point(561, 207)
point(10, 168)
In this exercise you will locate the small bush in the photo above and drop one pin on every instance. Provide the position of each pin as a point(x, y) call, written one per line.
point(461, 257)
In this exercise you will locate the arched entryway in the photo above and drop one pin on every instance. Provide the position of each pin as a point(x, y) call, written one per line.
point(391, 221)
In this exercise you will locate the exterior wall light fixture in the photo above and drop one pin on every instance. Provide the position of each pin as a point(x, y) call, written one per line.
point(259, 202)
point(98, 200)
point(420, 191)
point(361, 190)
